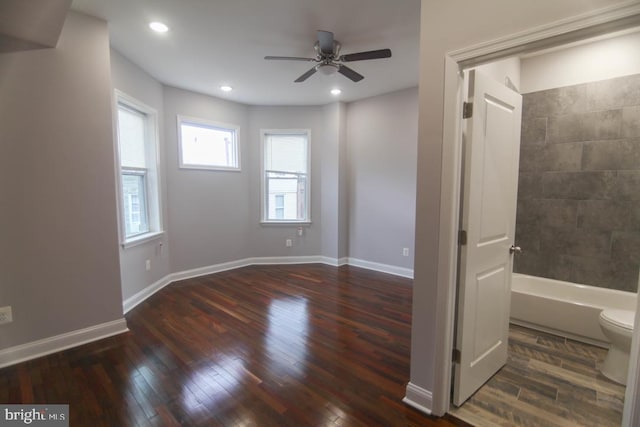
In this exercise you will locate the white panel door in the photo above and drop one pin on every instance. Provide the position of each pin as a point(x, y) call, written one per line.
point(492, 149)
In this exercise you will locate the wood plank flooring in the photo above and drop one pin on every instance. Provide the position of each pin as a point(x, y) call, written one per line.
point(302, 345)
point(548, 381)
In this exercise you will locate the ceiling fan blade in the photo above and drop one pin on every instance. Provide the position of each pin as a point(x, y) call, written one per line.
point(306, 75)
point(362, 56)
point(349, 73)
point(289, 58)
point(325, 41)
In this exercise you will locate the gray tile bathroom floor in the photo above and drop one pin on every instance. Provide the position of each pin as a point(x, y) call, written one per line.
point(547, 381)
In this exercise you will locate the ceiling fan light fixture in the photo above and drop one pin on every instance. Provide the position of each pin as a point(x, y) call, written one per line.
point(328, 69)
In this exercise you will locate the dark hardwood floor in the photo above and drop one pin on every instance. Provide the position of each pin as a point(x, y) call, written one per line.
point(300, 345)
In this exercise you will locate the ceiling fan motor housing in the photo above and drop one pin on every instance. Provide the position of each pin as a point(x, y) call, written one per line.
point(333, 54)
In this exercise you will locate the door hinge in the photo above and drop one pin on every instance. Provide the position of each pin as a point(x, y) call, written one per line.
point(462, 237)
point(455, 356)
point(467, 110)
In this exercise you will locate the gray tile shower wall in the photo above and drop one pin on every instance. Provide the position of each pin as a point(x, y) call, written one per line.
point(578, 215)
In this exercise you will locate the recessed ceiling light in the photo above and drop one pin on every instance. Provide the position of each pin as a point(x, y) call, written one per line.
point(336, 92)
point(158, 27)
point(226, 88)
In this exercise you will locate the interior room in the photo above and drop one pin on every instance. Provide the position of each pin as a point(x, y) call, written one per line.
point(293, 269)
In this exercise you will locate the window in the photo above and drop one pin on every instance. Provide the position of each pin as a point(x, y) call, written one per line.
point(207, 145)
point(139, 210)
point(285, 191)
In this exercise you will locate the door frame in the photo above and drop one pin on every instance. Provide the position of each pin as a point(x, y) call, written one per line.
point(573, 29)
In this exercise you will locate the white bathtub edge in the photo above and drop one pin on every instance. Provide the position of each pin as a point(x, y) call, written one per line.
point(566, 309)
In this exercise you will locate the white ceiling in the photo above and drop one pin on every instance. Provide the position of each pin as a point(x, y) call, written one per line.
point(223, 42)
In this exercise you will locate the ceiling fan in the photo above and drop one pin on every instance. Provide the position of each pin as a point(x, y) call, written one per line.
point(329, 60)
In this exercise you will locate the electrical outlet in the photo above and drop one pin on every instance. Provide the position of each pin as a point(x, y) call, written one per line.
point(147, 264)
point(288, 243)
point(6, 316)
point(405, 251)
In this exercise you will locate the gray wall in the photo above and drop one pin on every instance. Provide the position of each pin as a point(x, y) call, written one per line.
point(208, 211)
point(59, 265)
point(214, 217)
point(382, 134)
point(334, 193)
point(579, 187)
point(269, 240)
point(132, 80)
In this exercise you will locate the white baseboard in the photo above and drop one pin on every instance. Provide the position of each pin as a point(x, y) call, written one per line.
point(145, 293)
point(273, 260)
point(139, 297)
point(419, 398)
point(383, 268)
point(34, 349)
point(231, 265)
point(203, 271)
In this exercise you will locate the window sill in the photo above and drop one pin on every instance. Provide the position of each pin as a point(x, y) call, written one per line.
point(210, 168)
point(142, 239)
point(285, 223)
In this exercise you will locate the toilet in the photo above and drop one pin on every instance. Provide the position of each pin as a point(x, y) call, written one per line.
point(617, 326)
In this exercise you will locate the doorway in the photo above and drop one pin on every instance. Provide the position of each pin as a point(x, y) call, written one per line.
point(574, 171)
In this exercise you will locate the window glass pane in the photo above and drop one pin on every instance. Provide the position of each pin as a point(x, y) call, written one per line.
point(204, 145)
point(286, 197)
point(287, 153)
point(135, 206)
point(131, 134)
point(279, 206)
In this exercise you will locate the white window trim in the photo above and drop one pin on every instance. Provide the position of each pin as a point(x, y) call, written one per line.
point(180, 119)
point(154, 198)
point(142, 239)
point(263, 195)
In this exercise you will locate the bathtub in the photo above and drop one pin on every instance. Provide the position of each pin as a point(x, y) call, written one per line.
point(564, 308)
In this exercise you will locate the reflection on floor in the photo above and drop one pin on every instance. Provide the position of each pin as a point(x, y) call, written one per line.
point(548, 381)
